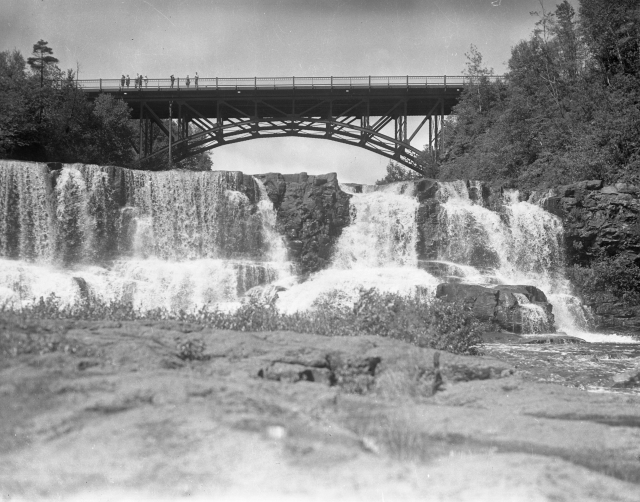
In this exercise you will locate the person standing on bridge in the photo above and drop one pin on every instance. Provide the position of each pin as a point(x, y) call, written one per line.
point(195, 80)
point(146, 81)
point(172, 80)
point(136, 81)
point(128, 81)
point(188, 81)
point(122, 81)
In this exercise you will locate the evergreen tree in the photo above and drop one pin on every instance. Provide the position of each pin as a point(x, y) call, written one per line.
point(41, 59)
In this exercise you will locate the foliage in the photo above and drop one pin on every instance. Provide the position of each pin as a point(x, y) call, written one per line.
point(616, 275)
point(568, 109)
point(397, 172)
point(436, 324)
point(612, 30)
point(16, 124)
point(44, 116)
point(42, 59)
point(192, 350)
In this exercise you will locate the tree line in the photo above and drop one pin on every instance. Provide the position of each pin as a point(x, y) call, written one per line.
point(45, 117)
point(568, 108)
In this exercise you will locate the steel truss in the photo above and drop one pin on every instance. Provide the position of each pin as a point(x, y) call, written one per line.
point(347, 121)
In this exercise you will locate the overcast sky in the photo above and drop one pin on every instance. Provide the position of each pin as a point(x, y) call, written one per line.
point(240, 38)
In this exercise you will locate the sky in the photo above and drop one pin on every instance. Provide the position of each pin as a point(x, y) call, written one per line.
point(270, 38)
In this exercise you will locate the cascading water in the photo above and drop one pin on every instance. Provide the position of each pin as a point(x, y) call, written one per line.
point(520, 245)
point(378, 250)
point(185, 240)
point(179, 240)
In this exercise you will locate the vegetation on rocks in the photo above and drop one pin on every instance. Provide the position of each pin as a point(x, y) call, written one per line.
point(437, 324)
point(615, 275)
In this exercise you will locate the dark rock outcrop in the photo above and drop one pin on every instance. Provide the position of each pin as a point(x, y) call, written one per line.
point(312, 211)
point(520, 309)
point(601, 221)
point(598, 219)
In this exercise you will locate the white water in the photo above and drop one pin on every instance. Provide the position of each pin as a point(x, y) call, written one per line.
point(189, 240)
point(180, 241)
point(522, 246)
point(378, 250)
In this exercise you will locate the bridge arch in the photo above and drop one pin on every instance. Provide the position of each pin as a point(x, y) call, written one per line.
point(215, 136)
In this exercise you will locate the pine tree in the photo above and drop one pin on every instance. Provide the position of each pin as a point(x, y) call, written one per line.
point(42, 57)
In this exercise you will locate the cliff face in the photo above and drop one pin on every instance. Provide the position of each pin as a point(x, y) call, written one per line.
point(601, 220)
point(312, 211)
point(598, 219)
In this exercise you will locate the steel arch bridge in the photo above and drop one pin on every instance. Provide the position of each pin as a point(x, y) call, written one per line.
point(371, 112)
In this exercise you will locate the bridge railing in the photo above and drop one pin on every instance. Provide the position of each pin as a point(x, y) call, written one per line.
point(265, 83)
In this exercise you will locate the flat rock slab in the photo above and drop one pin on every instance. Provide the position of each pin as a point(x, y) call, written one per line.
point(164, 410)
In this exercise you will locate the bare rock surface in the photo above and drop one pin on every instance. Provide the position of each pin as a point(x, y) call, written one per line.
point(167, 410)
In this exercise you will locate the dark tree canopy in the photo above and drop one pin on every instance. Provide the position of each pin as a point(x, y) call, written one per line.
point(43, 121)
point(568, 109)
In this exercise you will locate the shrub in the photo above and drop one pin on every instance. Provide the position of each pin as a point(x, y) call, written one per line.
point(191, 350)
point(436, 324)
point(616, 275)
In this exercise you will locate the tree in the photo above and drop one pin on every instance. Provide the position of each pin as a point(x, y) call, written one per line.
point(567, 110)
point(15, 125)
point(41, 59)
point(397, 172)
point(111, 133)
point(612, 30)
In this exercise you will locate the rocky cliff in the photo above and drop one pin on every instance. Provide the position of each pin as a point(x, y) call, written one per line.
point(601, 221)
point(312, 211)
point(598, 220)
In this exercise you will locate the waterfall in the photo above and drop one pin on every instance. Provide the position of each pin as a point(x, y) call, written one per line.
point(185, 240)
point(522, 244)
point(178, 240)
point(378, 250)
point(26, 228)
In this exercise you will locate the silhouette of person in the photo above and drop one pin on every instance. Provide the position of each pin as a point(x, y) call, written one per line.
point(122, 81)
point(195, 80)
point(188, 81)
point(146, 81)
point(136, 81)
point(128, 80)
point(172, 80)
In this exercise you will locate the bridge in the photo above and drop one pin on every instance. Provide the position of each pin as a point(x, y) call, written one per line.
point(207, 113)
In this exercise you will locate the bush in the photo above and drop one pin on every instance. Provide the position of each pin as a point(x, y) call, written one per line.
point(616, 275)
point(436, 324)
point(192, 350)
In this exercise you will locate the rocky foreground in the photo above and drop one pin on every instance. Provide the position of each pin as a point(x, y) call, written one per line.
point(163, 410)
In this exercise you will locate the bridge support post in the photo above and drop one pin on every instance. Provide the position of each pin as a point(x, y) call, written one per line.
point(170, 130)
point(442, 119)
point(141, 132)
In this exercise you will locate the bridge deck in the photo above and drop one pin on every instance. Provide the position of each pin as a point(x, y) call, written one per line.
point(286, 96)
